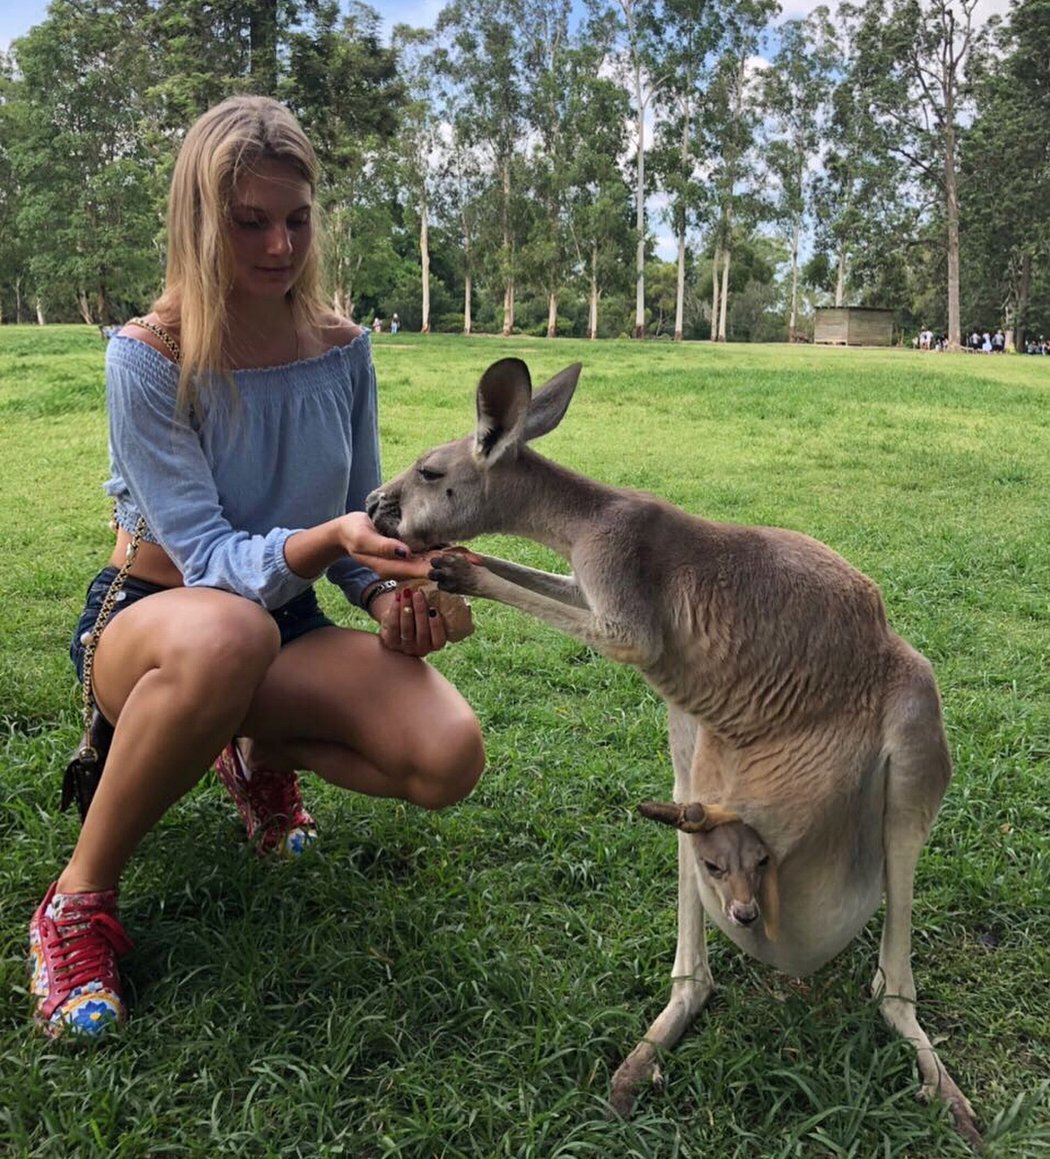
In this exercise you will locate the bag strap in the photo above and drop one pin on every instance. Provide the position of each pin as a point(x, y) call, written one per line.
point(110, 601)
point(172, 346)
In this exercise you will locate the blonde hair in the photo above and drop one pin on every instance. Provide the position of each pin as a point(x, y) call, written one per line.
point(225, 142)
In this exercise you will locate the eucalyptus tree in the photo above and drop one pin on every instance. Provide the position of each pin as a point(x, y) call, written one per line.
point(482, 59)
point(910, 65)
point(461, 192)
point(731, 115)
point(1006, 170)
point(637, 55)
point(600, 211)
point(78, 159)
point(693, 32)
point(12, 252)
point(795, 94)
point(553, 103)
point(201, 53)
point(344, 86)
point(419, 142)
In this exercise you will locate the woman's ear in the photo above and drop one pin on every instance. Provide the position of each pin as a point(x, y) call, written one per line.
point(769, 899)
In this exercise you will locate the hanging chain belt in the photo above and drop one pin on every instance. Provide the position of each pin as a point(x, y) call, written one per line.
point(90, 639)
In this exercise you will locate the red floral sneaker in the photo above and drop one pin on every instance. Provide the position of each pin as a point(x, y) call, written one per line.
point(74, 941)
point(270, 805)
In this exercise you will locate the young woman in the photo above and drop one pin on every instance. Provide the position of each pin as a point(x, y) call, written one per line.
point(243, 441)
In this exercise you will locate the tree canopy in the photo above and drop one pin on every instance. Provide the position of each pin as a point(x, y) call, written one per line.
point(624, 167)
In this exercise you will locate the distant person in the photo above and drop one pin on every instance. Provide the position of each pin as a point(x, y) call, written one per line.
point(975, 342)
point(986, 343)
point(377, 326)
point(998, 342)
point(395, 324)
point(243, 439)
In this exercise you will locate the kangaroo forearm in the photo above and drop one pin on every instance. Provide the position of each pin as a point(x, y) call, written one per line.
point(562, 588)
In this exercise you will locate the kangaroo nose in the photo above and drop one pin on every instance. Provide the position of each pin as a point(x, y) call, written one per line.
point(372, 503)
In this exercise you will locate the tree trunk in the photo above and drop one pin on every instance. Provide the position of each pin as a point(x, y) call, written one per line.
point(424, 258)
point(840, 283)
point(552, 315)
point(639, 215)
point(40, 319)
point(508, 308)
point(84, 307)
point(727, 253)
point(467, 322)
point(679, 304)
point(592, 314)
point(951, 203)
point(793, 316)
point(508, 285)
point(716, 262)
point(18, 299)
point(1024, 289)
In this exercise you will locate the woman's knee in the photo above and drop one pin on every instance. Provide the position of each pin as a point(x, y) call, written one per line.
point(449, 764)
point(230, 645)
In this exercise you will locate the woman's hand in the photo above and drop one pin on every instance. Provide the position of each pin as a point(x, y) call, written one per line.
point(408, 624)
point(388, 558)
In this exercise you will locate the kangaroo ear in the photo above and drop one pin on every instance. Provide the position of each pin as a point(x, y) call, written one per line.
point(551, 401)
point(504, 393)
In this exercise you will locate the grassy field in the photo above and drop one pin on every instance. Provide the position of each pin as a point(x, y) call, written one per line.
point(463, 984)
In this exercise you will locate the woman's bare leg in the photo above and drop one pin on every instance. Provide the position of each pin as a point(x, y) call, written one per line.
point(176, 672)
point(363, 717)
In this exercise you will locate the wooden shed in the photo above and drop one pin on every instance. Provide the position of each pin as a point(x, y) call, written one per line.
point(853, 326)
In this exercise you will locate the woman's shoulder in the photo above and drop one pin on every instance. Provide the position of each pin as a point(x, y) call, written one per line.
point(335, 330)
point(152, 330)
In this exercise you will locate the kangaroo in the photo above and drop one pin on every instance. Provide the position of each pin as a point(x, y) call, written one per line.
point(797, 718)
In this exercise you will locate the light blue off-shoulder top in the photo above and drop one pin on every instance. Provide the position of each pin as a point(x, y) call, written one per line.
point(222, 489)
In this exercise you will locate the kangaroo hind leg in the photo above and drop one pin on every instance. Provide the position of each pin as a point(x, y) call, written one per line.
point(691, 981)
point(919, 769)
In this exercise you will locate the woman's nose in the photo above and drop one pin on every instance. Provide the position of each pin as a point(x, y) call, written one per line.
point(278, 240)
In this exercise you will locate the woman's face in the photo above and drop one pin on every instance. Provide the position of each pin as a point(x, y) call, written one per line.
point(270, 229)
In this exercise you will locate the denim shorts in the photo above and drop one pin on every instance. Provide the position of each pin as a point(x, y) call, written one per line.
point(293, 619)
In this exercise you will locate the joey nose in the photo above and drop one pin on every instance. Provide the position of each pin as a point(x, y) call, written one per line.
point(372, 503)
point(742, 914)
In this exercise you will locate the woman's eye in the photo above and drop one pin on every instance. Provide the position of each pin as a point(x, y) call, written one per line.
point(249, 223)
point(298, 222)
point(429, 476)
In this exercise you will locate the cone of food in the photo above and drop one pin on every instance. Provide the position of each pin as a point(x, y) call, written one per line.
point(454, 610)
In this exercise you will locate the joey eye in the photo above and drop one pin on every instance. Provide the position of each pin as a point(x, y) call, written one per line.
point(763, 861)
point(429, 476)
point(712, 869)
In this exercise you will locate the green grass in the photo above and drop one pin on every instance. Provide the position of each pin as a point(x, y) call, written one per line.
point(463, 984)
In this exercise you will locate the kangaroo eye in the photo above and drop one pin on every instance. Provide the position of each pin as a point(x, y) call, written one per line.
point(763, 861)
point(429, 476)
point(712, 869)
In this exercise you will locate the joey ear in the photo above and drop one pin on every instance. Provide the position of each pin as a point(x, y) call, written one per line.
point(551, 401)
point(690, 818)
point(503, 399)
